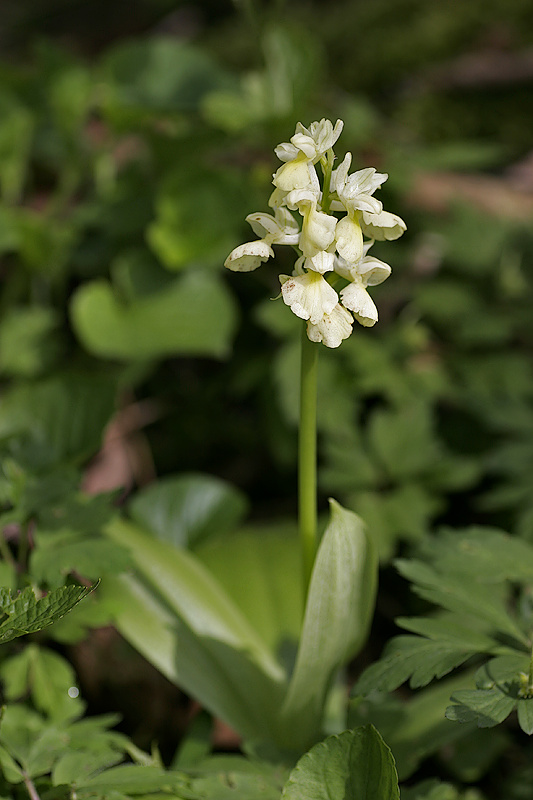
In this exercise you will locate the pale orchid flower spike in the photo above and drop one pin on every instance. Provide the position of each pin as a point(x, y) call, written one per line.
point(333, 213)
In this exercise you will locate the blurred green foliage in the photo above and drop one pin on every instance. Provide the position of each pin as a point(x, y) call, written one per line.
point(125, 178)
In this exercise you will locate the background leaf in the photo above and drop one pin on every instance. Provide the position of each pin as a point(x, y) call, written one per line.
point(355, 765)
point(193, 316)
point(184, 509)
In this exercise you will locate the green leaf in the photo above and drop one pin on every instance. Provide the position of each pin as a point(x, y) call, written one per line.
point(434, 789)
point(31, 740)
point(487, 707)
point(453, 592)
point(227, 777)
point(16, 133)
point(354, 765)
point(10, 769)
point(498, 683)
point(64, 415)
point(524, 709)
point(156, 74)
point(27, 614)
point(491, 553)
point(26, 343)
point(414, 658)
point(338, 613)
point(188, 626)
point(199, 226)
point(223, 678)
point(58, 555)
point(132, 779)
point(447, 630)
point(184, 509)
point(260, 569)
point(193, 316)
point(403, 441)
point(47, 677)
point(414, 728)
point(192, 593)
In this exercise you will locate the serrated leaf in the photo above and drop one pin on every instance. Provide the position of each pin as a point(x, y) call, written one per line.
point(453, 592)
point(487, 707)
point(354, 765)
point(411, 658)
point(27, 614)
point(493, 554)
point(338, 613)
point(444, 630)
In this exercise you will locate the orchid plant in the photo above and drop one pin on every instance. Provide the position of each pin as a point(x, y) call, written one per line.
point(331, 252)
point(173, 608)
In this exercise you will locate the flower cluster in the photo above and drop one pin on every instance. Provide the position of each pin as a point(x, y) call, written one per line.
point(330, 248)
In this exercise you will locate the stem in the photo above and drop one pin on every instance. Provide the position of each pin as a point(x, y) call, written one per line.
point(30, 788)
point(23, 547)
point(307, 455)
point(327, 168)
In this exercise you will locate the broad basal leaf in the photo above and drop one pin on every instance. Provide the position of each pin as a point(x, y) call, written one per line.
point(338, 613)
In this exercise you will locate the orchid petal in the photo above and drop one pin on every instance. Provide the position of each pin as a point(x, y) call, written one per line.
point(309, 296)
point(333, 328)
point(247, 257)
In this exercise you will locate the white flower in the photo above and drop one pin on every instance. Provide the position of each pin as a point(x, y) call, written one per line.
point(247, 257)
point(298, 173)
point(383, 225)
point(324, 261)
point(368, 271)
point(313, 142)
point(309, 296)
point(355, 191)
point(316, 140)
point(318, 229)
point(354, 194)
point(281, 228)
point(307, 146)
point(333, 328)
point(356, 298)
point(326, 240)
point(349, 238)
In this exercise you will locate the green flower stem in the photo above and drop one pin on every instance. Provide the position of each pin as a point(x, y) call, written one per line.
point(307, 506)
